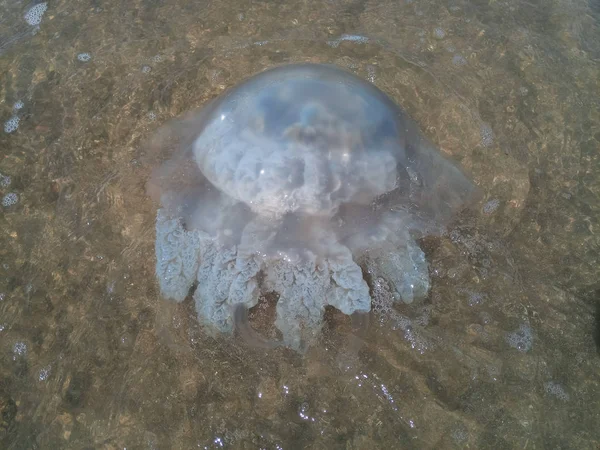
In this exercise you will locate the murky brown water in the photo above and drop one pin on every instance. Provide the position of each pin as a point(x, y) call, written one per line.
point(504, 353)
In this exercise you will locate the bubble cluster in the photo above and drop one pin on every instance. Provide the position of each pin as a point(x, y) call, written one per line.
point(371, 71)
point(10, 199)
point(19, 349)
point(460, 434)
point(485, 318)
point(491, 206)
point(5, 180)
point(146, 69)
point(417, 342)
point(34, 15)
point(424, 316)
point(303, 412)
point(151, 116)
point(438, 33)
point(487, 135)
point(475, 299)
point(459, 60)
point(348, 37)
point(556, 390)
point(44, 374)
point(373, 382)
point(382, 299)
point(84, 57)
point(11, 124)
point(522, 339)
point(18, 105)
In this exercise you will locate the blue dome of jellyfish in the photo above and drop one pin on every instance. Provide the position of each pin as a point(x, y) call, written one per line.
point(303, 181)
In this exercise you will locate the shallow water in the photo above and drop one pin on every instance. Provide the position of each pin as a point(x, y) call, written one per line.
point(504, 352)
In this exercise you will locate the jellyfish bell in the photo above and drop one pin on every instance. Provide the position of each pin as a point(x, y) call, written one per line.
point(292, 142)
point(293, 183)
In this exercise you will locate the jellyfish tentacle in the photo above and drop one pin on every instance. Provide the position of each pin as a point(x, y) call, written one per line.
point(348, 290)
point(308, 280)
point(215, 275)
point(226, 280)
point(177, 256)
point(257, 235)
point(302, 287)
point(227, 276)
point(401, 262)
point(403, 267)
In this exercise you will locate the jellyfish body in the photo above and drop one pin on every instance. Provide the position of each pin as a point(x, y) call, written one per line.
point(298, 182)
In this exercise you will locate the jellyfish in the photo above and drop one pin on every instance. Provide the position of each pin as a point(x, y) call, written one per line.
point(304, 182)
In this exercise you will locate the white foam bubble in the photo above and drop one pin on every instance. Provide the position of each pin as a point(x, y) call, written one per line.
point(487, 135)
point(371, 71)
point(5, 180)
point(10, 199)
point(556, 390)
point(34, 16)
point(522, 339)
point(348, 37)
point(84, 57)
point(11, 124)
point(459, 60)
point(475, 299)
point(438, 33)
point(44, 373)
point(491, 206)
point(19, 349)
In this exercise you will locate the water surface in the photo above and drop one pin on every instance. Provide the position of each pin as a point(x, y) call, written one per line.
point(504, 352)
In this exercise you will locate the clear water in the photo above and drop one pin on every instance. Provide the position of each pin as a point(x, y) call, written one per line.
point(504, 353)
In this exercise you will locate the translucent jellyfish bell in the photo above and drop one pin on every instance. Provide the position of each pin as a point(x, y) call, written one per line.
point(293, 182)
point(298, 143)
